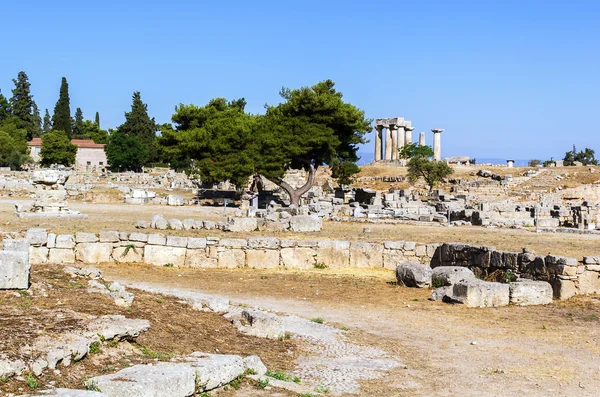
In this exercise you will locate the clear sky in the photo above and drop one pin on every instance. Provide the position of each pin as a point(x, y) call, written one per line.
point(504, 78)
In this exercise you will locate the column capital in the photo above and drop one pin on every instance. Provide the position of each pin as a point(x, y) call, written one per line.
point(393, 127)
point(437, 130)
point(409, 128)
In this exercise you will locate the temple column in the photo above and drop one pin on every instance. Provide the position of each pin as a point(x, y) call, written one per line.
point(422, 138)
point(408, 133)
point(394, 130)
point(437, 143)
point(388, 144)
point(378, 133)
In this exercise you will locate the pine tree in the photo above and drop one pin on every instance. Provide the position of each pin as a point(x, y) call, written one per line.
point(47, 127)
point(97, 119)
point(61, 120)
point(4, 107)
point(78, 130)
point(37, 122)
point(21, 104)
point(137, 122)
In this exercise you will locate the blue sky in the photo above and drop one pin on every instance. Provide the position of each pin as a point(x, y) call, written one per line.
point(507, 79)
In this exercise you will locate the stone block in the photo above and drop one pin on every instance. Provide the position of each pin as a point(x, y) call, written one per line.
point(157, 239)
point(333, 253)
point(263, 242)
point(196, 243)
point(176, 241)
point(414, 275)
point(262, 258)
point(51, 243)
point(298, 258)
point(129, 254)
point(530, 292)
point(109, 237)
point(93, 252)
point(81, 237)
point(563, 289)
point(366, 254)
point(477, 293)
point(14, 269)
point(393, 257)
point(410, 246)
point(65, 241)
point(589, 282)
point(233, 243)
point(241, 224)
point(159, 255)
point(188, 224)
point(305, 223)
point(421, 250)
point(199, 258)
point(141, 237)
point(37, 236)
point(450, 275)
point(231, 258)
point(21, 244)
point(38, 255)
point(261, 324)
point(591, 260)
point(198, 225)
point(175, 224)
point(393, 245)
point(61, 256)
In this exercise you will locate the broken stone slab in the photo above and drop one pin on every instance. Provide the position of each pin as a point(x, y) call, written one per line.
point(414, 274)
point(529, 292)
point(478, 293)
point(241, 224)
point(442, 293)
point(175, 224)
point(14, 270)
point(305, 223)
point(450, 275)
point(10, 368)
point(281, 384)
point(87, 272)
point(255, 365)
point(66, 393)
point(65, 241)
point(261, 324)
point(37, 236)
point(21, 245)
point(118, 327)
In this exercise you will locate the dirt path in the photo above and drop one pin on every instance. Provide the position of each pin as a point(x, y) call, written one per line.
point(447, 350)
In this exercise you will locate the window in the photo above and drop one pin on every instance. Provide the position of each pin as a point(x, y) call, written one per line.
point(101, 163)
point(89, 163)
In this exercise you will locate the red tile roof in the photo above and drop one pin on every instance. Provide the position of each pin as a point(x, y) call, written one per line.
point(80, 143)
point(35, 142)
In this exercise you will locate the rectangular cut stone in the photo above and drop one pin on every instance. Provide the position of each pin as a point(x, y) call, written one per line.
point(288, 243)
point(298, 258)
point(109, 237)
point(589, 283)
point(37, 236)
point(51, 243)
point(262, 258)
point(65, 241)
point(199, 258)
point(61, 256)
point(176, 241)
point(157, 239)
point(231, 257)
point(21, 244)
point(159, 255)
point(135, 236)
point(81, 237)
point(477, 293)
point(233, 242)
point(591, 260)
point(128, 254)
point(263, 242)
point(421, 250)
point(410, 246)
point(14, 269)
point(123, 236)
point(366, 254)
point(530, 292)
point(93, 252)
point(563, 289)
point(392, 258)
point(241, 225)
point(333, 253)
point(38, 255)
point(196, 243)
point(393, 245)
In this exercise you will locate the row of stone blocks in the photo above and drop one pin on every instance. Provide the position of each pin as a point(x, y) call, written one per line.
point(254, 252)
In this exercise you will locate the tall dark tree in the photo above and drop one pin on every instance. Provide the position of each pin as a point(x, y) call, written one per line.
point(37, 122)
point(126, 152)
point(97, 119)
point(137, 122)
point(4, 107)
point(57, 149)
point(78, 130)
point(47, 125)
point(21, 104)
point(61, 120)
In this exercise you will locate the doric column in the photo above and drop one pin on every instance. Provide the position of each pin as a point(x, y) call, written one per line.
point(388, 144)
point(394, 131)
point(378, 132)
point(422, 138)
point(437, 143)
point(408, 133)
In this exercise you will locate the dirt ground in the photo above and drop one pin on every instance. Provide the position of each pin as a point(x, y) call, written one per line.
point(57, 303)
point(446, 350)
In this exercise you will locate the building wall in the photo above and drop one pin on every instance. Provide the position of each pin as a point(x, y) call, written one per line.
point(90, 157)
point(34, 153)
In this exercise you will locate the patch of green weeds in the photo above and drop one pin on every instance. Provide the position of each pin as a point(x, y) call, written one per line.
point(168, 265)
point(95, 348)
point(31, 381)
point(320, 265)
point(318, 320)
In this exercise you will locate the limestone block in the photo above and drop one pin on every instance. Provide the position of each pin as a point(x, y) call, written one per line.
point(414, 274)
point(273, 226)
point(159, 255)
point(241, 224)
point(196, 243)
point(199, 258)
point(135, 236)
point(21, 244)
point(333, 253)
point(123, 236)
point(366, 254)
point(51, 243)
point(450, 275)
point(263, 242)
point(254, 364)
point(477, 293)
point(175, 200)
point(14, 269)
point(262, 258)
point(81, 237)
point(161, 223)
point(157, 239)
point(421, 250)
point(188, 224)
point(233, 242)
point(65, 241)
point(176, 241)
point(530, 292)
point(38, 255)
point(198, 224)
point(93, 252)
point(175, 224)
point(591, 260)
point(305, 223)
point(410, 246)
point(68, 393)
point(442, 293)
point(393, 257)
point(61, 256)
point(589, 283)
point(231, 257)
point(393, 245)
point(37, 236)
point(261, 324)
point(563, 289)
point(128, 254)
point(109, 237)
point(298, 258)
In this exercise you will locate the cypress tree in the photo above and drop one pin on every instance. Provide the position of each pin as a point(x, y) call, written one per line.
point(37, 122)
point(21, 104)
point(137, 122)
point(4, 107)
point(97, 119)
point(47, 127)
point(61, 120)
point(78, 130)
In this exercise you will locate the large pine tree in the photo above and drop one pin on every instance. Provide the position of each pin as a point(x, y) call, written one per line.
point(4, 107)
point(21, 104)
point(137, 122)
point(78, 130)
point(61, 120)
point(37, 122)
point(47, 126)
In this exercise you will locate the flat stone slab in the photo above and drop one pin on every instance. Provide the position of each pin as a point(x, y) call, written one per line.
point(449, 275)
point(478, 293)
point(530, 292)
point(66, 393)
